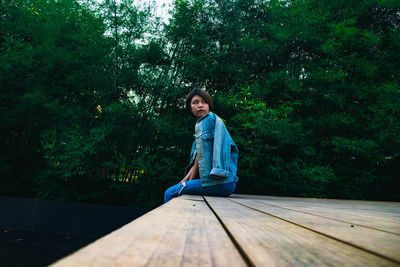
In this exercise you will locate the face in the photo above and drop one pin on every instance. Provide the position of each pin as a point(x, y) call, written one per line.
point(199, 106)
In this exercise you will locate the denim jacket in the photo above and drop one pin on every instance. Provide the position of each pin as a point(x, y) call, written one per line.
point(217, 153)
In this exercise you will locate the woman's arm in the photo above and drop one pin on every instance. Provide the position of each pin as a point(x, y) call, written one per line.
point(193, 172)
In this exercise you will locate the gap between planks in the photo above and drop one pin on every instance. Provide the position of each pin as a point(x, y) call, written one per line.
point(391, 255)
point(326, 217)
point(363, 214)
point(269, 242)
point(182, 232)
point(241, 251)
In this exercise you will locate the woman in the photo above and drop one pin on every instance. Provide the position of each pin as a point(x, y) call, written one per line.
point(214, 155)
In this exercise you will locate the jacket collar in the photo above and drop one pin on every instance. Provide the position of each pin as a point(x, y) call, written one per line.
point(200, 119)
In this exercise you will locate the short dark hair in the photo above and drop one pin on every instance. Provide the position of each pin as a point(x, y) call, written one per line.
point(200, 92)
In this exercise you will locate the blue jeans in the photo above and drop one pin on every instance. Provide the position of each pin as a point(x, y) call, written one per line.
point(194, 187)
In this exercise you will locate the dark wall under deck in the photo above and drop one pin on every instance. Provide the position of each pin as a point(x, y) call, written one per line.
point(59, 217)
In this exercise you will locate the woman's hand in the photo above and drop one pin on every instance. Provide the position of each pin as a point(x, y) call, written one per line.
point(184, 180)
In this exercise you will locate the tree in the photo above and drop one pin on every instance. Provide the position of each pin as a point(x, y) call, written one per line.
point(93, 96)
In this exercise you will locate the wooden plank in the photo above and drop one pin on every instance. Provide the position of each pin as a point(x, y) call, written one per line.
point(182, 232)
point(270, 241)
point(379, 242)
point(389, 210)
point(379, 215)
point(319, 200)
point(360, 218)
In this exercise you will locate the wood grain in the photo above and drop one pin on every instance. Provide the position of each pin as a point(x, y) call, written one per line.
point(182, 232)
point(270, 241)
point(389, 210)
point(266, 231)
point(360, 218)
point(379, 242)
point(384, 216)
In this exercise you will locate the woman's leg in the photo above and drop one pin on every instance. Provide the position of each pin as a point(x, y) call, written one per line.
point(173, 191)
point(194, 187)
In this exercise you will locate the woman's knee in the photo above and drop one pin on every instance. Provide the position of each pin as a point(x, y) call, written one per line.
point(172, 192)
point(168, 194)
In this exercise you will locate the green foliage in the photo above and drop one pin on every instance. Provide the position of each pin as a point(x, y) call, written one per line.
point(320, 102)
point(92, 96)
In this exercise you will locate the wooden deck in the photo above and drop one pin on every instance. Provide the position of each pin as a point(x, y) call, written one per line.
point(248, 230)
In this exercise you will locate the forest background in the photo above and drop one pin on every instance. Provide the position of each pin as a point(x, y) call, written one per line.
point(92, 96)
